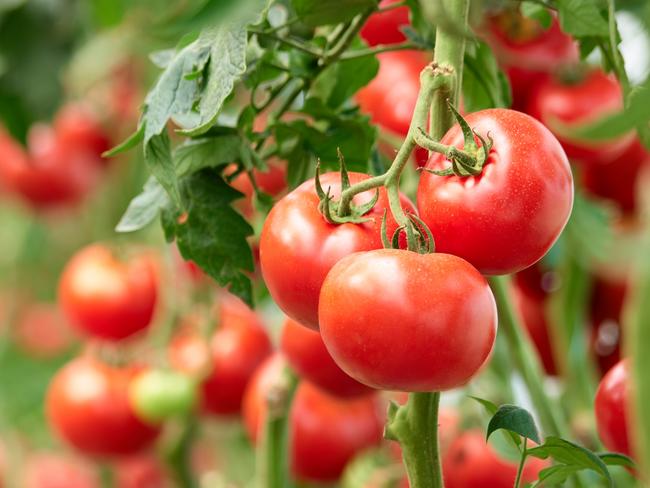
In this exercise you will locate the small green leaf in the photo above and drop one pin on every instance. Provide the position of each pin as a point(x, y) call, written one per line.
point(514, 419)
point(206, 152)
point(582, 18)
point(616, 459)
point(484, 85)
point(555, 475)
point(490, 407)
point(572, 455)
point(158, 157)
point(537, 12)
point(132, 141)
point(325, 12)
point(144, 207)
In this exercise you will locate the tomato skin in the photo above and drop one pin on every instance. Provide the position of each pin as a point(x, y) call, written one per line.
point(326, 431)
point(237, 348)
point(141, 471)
point(108, 298)
point(306, 352)
point(611, 409)
point(616, 181)
point(298, 246)
point(509, 216)
point(42, 331)
point(399, 330)
point(472, 463)
point(272, 182)
point(78, 127)
point(390, 97)
point(87, 404)
point(51, 470)
point(586, 101)
point(384, 27)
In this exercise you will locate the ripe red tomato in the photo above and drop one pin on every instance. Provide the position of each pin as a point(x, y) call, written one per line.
point(88, 406)
point(390, 97)
point(237, 348)
point(384, 27)
point(392, 319)
point(141, 471)
point(42, 331)
point(616, 181)
point(108, 298)
point(52, 470)
point(78, 127)
point(509, 216)
point(532, 309)
point(298, 246)
point(471, 462)
point(606, 310)
point(326, 431)
point(307, 355)
point(273, 182)
point(527, 51)
point(577, 104)
point(611, 408)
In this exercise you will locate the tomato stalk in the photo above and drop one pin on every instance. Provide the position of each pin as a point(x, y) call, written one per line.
point(178, 456)
point(273, 458)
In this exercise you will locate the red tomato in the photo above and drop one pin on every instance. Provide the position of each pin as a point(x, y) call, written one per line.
point(108, 298)
point(51, 470)
point(238, 347)
point(607, 301)
point(326, 432)
point(78, 127)
point(307, 355)
point(390, 97)
point(509, 216)
point(88, 406)
point(384, 27)
point(527, 51)
point(298, 246)
point(141, 471)
point(616, 181)
point(13, 157)
point(273, 182)
point(532, 309)
point(577, 104)
point(611, 409)
point(52, 173)
point(42, 331)
point(470, 462)
point(399, 320)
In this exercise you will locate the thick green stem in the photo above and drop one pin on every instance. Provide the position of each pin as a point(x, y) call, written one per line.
point(415, 427)
point(526, 359)
point(273, 460)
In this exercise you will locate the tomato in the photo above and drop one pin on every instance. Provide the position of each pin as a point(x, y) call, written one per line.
point(385, 27)
point(471, 462)
point(399, 320)
point(307, 355)
point(88, 406)
point(606, 310)
point(50, 174)
point(273, 182)
point(108, 298)
point(42, 331)
point(527, 51)
point(298, 246)
point(611, 409)
point(141, 471)
point(157, 395)
point(78, 127)
point(235, 350)
point(616, 181)
point(326, 431)
point(509, 216)
point(52, 470)
point(580, 103)
point(390, 97)
point(532, 309)
point(13, 157)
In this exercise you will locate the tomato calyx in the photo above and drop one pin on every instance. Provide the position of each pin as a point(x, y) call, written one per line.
point(419, 237)
point(338, 212)
point(468, 161)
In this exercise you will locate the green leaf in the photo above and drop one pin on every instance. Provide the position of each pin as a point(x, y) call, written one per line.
point(589, 232)
point(144, 207)
point(212, 233)
point(616, 459)
point(325, 12)
point(206, 152)
point(537, 12)
point(572, 455)
point(132, 141)
point(490, 407)
point(484, 85)
point(514, 419)
point(158, 158)
point(582, 18)
point(555, 475)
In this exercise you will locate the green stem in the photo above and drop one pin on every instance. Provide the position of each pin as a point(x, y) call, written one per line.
point(179, 456)
point(381, 48)
point(616, 57)
point(525, 358)
point(273, 459)
point(522, 461)
point(345, 39)
point(415, 426)
point(287, 41)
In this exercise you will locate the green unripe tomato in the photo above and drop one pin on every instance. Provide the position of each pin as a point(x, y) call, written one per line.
point(156, 395)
